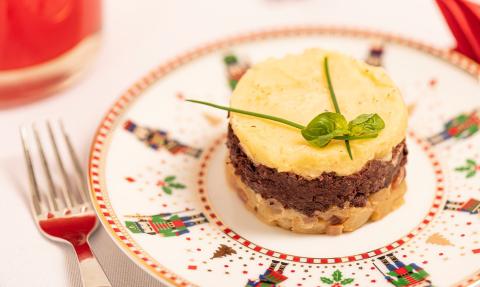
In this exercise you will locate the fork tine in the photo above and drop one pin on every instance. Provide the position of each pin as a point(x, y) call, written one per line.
point(35, 193)
point(66, 186)
point(51, 194)
point(82, 188)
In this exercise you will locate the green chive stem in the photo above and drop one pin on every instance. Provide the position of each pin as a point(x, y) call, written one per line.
point(330, 86)
point(349, 150)
point(334, 100)
point(258, 115)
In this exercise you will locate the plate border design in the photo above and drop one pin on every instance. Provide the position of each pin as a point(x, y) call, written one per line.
point(96, 161)
point(437, 202)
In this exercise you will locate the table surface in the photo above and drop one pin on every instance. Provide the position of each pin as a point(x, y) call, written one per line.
point(137, 36)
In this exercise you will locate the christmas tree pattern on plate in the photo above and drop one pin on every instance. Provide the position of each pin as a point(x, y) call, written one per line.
point(222, 251)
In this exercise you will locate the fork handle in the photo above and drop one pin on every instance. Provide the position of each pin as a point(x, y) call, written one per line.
point(91, 271)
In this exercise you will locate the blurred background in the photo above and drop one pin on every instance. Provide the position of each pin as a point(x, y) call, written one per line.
point(122, 40)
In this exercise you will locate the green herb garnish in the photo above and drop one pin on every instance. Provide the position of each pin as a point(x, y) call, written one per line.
point(326, 126)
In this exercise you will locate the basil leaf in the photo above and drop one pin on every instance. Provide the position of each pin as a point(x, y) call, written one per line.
point(321, 141)
point(324, 127)
point(366, 124)
point(323, 124)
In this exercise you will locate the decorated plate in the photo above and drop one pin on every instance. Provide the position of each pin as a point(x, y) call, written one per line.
point(157, 174)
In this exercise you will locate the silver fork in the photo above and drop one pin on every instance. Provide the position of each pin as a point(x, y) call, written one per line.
point(65, 216)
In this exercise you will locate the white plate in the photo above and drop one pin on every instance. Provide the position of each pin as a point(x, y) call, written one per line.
point(225, 245)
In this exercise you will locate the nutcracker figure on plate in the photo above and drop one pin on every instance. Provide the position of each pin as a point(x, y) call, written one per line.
point(401, 275)
point(164, 224)
point(271, 277)
point(159, 139)
point(235, 69)
point(375, 54)
point(471, 206)
point(461, 127)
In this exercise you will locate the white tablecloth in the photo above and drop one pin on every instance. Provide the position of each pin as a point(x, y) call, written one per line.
point(137, 36)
